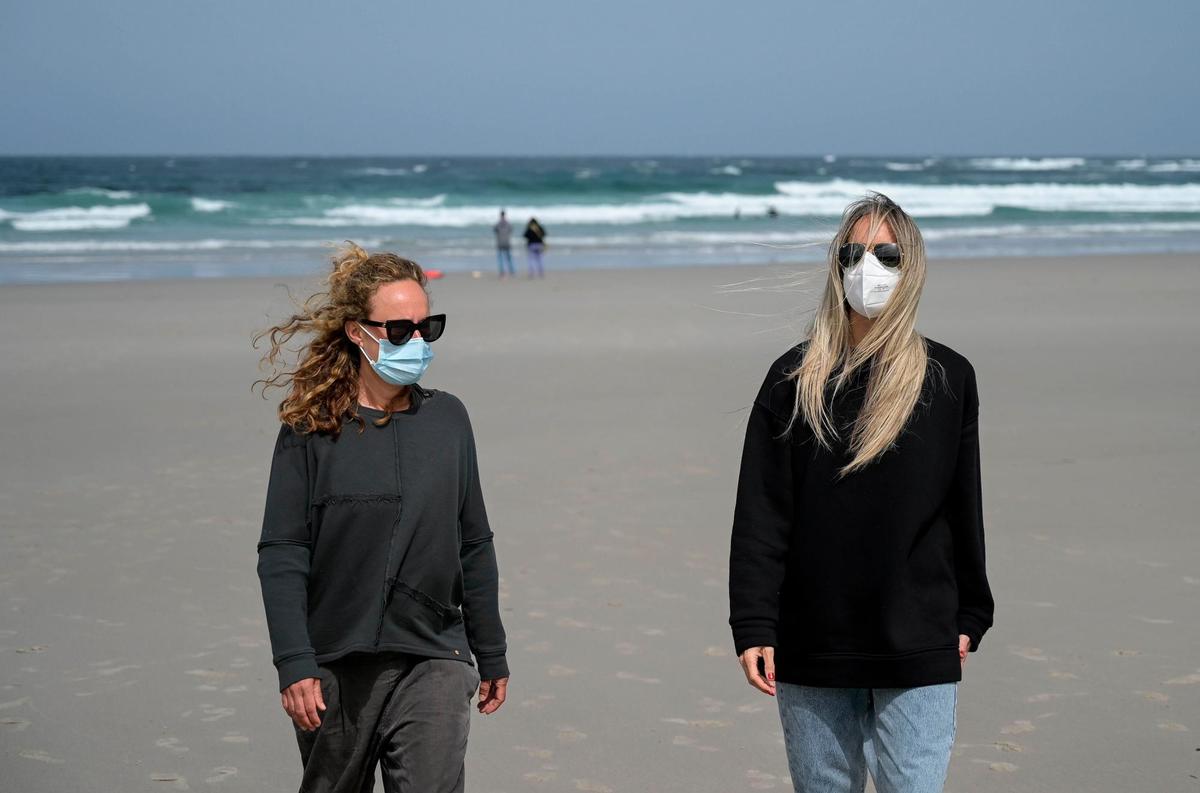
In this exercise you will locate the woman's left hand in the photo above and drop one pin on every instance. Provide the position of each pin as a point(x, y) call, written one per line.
point(964, 647)
point(492, 694)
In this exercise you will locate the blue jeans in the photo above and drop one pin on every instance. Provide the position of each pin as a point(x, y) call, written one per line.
point(834, 735)
point(504, 256)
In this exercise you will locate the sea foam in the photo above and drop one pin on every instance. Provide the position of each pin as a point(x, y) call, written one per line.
point(94, 218)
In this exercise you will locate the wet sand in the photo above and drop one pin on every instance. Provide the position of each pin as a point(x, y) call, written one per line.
point(609, 410)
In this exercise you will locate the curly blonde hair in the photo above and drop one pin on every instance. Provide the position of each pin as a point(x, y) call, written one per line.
point(323, 386)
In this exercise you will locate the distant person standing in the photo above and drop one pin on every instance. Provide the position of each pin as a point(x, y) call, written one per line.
point(535, 245)
point(503, 232)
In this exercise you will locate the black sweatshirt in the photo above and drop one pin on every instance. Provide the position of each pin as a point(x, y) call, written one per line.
point(865, 581)
point(378, 541)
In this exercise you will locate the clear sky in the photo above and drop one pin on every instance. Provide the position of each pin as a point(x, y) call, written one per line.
point(585, 77)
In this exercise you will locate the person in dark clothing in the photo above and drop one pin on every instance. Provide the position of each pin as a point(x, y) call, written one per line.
point(376, 559)
point(535, 246)
point(857, 582)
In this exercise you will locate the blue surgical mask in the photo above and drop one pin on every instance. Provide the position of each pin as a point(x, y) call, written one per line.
point(400, 364)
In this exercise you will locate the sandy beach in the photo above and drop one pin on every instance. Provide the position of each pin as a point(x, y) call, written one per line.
point(608, 408)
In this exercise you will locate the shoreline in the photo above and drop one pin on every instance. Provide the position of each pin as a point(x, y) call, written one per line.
point(489, 274)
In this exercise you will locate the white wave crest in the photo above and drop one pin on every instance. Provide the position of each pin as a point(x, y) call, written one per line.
point(1027, 164)
point(210, 205)
point(828, 198)
point(174, 246)
point(792, 199)
point(1175, 166)
point(727, 170)
point(94, 218)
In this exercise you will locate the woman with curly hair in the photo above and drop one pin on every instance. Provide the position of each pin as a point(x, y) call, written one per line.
point(376, 559)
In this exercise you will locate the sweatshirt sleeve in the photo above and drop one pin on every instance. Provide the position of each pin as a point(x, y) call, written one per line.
point(965, 514)
point(762, 525)
point(283, 560)
point(481, 578)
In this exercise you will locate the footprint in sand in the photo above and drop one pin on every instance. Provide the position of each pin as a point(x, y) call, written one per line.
point(1028, 653)
point(175, 781)
point(233, 737)
point(171, 745)
point(1057, 675)
point(571, 622)
point(41, 756)
point(558, 670)
point(220, 774)
point(1185, 680)
point(591, 786)
point(538, 702)
point(540, 777)
point(570, 735)
point(1046, 697)
point(691, 743)
point(538, 647)
point(535, 752)
point(1127, 653)
point(1002, 766)
point(761, 780)
point(700, 724)
point(1172, 726)
point(637, 678)
point(1008, 746)
point(1018, 727)
point(1157, 620)
point(14, 724)
point(626, 648)
point(1154, 696)
point(216, 714)
point(716, 651)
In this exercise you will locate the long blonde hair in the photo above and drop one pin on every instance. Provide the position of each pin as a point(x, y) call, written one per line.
point(323, 387)
point(897, 354)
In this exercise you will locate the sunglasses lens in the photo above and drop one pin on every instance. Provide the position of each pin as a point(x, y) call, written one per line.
point(432, 327)
point(400, 334)
point(888, 254)
point(850, 253)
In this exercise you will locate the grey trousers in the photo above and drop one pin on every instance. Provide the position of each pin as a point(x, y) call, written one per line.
point(409, 715)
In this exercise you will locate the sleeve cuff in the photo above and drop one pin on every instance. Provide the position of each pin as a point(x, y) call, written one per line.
point(296, 668)
point(972, 630)
point(492, 667)
point(753, 636)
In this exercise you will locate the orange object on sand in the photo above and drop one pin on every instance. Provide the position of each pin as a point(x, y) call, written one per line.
point(433, 275)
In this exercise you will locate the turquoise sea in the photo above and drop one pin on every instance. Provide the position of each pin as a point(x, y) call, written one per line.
point(114, 218)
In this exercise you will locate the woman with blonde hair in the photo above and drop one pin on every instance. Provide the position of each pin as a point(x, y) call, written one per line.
point(376, 560)
point(857, 582)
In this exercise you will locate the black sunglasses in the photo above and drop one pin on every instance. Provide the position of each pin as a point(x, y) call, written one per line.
point(888, 254)
point(399, 331)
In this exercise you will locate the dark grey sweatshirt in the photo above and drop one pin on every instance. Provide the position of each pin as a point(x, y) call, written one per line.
point(378, 541)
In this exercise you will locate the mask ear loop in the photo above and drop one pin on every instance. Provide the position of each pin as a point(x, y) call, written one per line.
point(362, 349)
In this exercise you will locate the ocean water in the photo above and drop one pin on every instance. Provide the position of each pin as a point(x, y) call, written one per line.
point(114, 218)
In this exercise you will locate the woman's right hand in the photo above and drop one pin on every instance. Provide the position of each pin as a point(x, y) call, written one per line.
point(764, 681)
point(302, 700)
